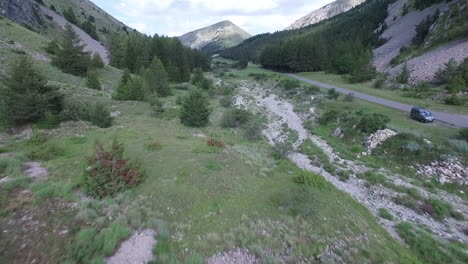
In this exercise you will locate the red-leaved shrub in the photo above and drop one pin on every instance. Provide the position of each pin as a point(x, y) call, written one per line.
point(108, 173)
point(215, 143)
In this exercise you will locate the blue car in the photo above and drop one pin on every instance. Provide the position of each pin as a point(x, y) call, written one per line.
point(422, 115)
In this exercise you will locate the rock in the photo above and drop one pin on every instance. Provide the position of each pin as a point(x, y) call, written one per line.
point(379, 137)
point(447, 171)
point(200, 135)
point(237, 256)
point(337, 133)
point(138, 249)
point(35, 171)
point(116, 114)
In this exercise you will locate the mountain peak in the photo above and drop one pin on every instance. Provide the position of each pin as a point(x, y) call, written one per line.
point(216, 37)
point(326, 12)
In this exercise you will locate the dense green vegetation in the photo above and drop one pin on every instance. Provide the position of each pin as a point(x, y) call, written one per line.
point(26, 96)
point(136, 52)
point(342, 44)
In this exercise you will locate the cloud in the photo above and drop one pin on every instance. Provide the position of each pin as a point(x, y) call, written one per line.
point(176, 17)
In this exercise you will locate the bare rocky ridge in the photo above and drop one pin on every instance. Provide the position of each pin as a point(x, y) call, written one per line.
point(326, 12)
point(215, 37)
point(373, 197)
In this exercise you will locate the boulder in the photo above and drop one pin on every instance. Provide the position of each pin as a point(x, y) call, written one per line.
point(337, 133)
point(376, 139)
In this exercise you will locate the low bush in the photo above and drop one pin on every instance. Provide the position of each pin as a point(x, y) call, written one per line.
point(370, 123)
point(454, 100)
point(226, 101)
point(253, 130)
point(99, 116)
point(372, 177)
point(330, 168)
point(46, 152)
point(438, 209)
point(463, 134)
point(344, 175)
point(430, 249)
point(108, 173)
point(460, 146)
point(156, 145)
point(328, 117)
point(385, 214)
point(91, 245)
point(234, 118)
point(332, 94)
point(259, 77)
point(408, 202)
point(408, 148)
point(312, 180)
point(156, 105)
point(312, 89)
point(288, 84)
point(214, 143)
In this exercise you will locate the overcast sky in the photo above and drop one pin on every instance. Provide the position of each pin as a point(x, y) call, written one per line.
point(176, 17)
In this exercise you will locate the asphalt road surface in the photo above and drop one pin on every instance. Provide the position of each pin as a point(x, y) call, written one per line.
point(452, 119)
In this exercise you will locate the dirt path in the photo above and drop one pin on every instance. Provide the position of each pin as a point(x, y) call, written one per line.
point(452, 119)
point(375, 197)
point(92, 45)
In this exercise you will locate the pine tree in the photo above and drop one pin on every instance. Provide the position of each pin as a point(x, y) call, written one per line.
point(195, 109)
point(155, 79)
point(72, 58)
point(200, 81)
point(26, 96)
point(96, 62)
point(70, 16)
point(92, 81)
point(130, 88)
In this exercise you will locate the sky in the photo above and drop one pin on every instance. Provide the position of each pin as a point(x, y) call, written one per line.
point(177, 17)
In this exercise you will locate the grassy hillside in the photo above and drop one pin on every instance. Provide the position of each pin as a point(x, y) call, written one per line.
point(106, 24)
point(17, 40)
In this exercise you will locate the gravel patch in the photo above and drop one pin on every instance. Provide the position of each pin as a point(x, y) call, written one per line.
point(138, 249)
point(237, 256)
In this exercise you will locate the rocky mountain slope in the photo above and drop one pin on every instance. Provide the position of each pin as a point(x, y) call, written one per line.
point(328, 11)
point(45, 17)
point(215, 38)
point(446, 39)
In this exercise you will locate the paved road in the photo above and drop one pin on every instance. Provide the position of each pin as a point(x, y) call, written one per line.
point(452, 119)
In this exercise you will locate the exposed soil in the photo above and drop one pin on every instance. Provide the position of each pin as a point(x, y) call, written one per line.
point(28, 236)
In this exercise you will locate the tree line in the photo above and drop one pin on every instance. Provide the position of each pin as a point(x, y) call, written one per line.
point(341, 45)
point(136, 52)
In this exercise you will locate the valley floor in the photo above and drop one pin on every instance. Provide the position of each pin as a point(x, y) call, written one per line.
point(239, 204)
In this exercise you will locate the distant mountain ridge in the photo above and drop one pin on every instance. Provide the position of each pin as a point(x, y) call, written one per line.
point(215, 38)
point(326, 12)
